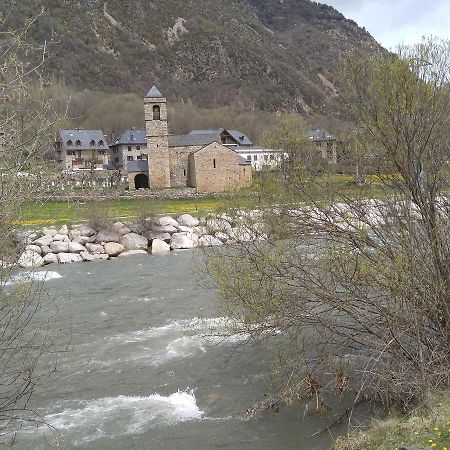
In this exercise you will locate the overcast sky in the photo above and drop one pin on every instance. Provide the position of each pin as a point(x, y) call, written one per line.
point(392, 22)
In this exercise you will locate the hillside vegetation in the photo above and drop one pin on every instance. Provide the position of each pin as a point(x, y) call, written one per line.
point(266, 55)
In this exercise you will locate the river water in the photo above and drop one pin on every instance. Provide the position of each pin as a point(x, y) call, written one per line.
point(142, 372)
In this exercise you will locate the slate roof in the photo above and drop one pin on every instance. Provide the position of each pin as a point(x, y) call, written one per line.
point(131, 137)
point(319, 135)
point(84, 137)
point(241, 138)
point(154, 93)
point(137, 166)
point(187, 140)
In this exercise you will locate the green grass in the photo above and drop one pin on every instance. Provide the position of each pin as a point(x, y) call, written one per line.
point(425, 428)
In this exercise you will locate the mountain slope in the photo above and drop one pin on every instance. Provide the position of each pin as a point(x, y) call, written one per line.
point(264, 54)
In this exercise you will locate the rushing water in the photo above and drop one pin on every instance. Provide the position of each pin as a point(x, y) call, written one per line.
point(142, 375)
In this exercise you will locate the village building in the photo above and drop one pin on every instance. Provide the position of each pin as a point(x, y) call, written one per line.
point(325, 142)
point(204, 159)
point(82, 150)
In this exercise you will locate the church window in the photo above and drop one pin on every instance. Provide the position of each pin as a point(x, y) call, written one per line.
point(138, 157)
point(156, 112)
point(255, 157)
point(129, 148)
point(184, 172)
point(129, 158)
point(116, 160)
point(214, 163)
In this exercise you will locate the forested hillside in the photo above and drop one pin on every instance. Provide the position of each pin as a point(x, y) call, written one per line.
point(262, 54)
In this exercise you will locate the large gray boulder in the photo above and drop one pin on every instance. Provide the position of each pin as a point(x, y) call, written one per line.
point(82, 240)
point(51, 258)
point(74, 247)
point(86, 256)
point(188, 221)
point(95, 248)
point(34, 248)
point(59, 247)
point(159, 246)
point(49, 231)
point(67, 258)
point(86, 230)
point(167, 220)
point(151, 235)
point(209, 241)
point(108, 236)
point(133, 241)
point(44, 240)
point(46, 250)
point(183, 241)
point(30, 260)
point(63, 230)
point(61, 237)
point(165, 229)
point(114, 249)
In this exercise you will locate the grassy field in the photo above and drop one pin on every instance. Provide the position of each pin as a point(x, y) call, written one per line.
point(425, 429)
point(58, 212)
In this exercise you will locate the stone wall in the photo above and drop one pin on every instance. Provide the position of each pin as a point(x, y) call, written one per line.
point(216, 168)
point(179, 164)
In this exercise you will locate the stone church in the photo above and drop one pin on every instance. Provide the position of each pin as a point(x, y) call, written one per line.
point(194, 160)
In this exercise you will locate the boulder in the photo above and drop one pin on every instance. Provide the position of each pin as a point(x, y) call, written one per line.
point(182, 228)
point(34, 248)
point(124, 230)
point(86, 231)
point(222, 236)
point(117, 226)
point(83, 240)
point(67, 258)
point(51, 258)
point(167, 220)
point(151, 235)
point(188, 221)
point(183, 240)
point(49, 231)
point(218, 225)
point(95, 248)
point(74, 247)
point(59, 247)
point(60, 237)
point(159, 246)
point(86, 256)
point(133, 241)
point(209, 241)
point(114, 249)
point(30, 260)
point(165, 229)
point(74, 233)
point(44, 240)
point(108, 236)
point(63, 230)
point(132, 253)
point(46, 250)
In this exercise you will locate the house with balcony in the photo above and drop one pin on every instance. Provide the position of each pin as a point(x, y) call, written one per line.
point(81, 150)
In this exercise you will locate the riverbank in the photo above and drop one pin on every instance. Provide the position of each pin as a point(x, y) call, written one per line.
point(424, 428)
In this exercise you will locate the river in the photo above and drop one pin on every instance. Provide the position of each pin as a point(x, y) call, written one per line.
point(141, 375)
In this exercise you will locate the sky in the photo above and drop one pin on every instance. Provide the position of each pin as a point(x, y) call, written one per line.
point(393, 22)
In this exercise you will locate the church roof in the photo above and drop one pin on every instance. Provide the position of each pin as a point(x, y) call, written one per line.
point(154, 93)
point(83, 140)
point(131, 137)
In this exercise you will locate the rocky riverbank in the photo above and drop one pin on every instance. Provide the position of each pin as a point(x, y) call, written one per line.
point(82, 243)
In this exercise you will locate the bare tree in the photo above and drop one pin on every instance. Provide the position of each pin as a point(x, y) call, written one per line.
point(353, 290)
point(27, 121)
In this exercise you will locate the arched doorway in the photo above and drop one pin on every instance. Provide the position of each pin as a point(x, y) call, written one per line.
point(141, 181)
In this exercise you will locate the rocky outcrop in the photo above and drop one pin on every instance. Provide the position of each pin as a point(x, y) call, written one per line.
point(133, 241)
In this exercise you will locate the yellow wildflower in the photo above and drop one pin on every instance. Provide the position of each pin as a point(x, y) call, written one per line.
point(433, 444)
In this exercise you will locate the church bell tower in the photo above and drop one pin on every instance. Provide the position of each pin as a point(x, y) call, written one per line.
point(155, 105)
